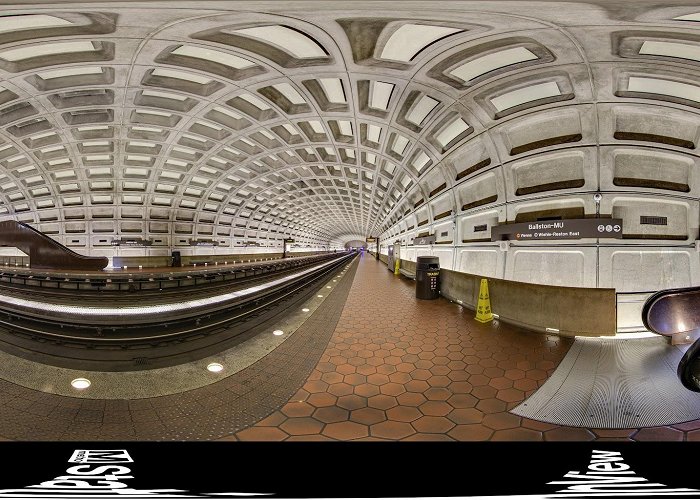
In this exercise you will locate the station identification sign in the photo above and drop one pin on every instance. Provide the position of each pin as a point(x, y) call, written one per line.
point(567, 229)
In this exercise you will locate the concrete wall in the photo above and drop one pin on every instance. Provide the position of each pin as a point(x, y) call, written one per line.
point(187, 260)
point(571, 310)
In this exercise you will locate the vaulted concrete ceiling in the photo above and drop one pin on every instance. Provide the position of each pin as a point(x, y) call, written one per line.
point(324, 121)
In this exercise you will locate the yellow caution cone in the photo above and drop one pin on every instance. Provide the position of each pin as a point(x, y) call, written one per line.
point(483, 306)
point(397, 266)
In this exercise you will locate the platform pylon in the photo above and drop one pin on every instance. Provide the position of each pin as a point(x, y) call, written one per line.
point(483, 306)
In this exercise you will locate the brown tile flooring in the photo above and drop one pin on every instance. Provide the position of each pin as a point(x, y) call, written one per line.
point(398, 368)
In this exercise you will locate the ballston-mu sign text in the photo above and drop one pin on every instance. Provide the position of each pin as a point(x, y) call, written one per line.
point(568, 229)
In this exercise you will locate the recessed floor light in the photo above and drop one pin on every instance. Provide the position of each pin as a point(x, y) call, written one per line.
point(215, 367)
point(319, 296)
point(80, 383)
point(306, 309)
point(328, 286)
point(278, 332)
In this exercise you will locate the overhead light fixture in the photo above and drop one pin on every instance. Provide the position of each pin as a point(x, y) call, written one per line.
point(80, 383)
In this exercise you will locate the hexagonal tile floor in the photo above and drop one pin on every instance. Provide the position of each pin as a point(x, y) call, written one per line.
point(398, 368)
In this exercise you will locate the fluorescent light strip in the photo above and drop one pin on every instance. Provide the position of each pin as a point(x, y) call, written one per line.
point(671, 49)
point(419, 163)
point(46, 49)
point(266, 134)
point(452, 131)
point(380, 95)
point(400, 144)
point(30, 21)
point(421, 109)
point(298, 44)
point(688, 17)
point(333, 88)
point(163, 95)
point(290, 93)
point(345, 127)
point(482, 65)
point(63, 73)
point(227, 112)
point(525, 95)
point(153, 112)
point(181, 75)
point(410, 39)
point(316, 126)
point(373, 133)
point(290, 129)
point(258, 103)
point(139, 128)
point(664, 87)
point(213, 56)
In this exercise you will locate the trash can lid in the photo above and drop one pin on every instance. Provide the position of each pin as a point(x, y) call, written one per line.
point(424, 262)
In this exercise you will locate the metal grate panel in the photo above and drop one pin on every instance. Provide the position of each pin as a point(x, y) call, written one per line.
point(615, 383)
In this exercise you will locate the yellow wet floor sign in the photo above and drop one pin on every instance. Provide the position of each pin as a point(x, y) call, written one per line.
point(483, 306)
point(397, 266)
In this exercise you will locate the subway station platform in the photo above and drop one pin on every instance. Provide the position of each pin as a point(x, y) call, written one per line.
point(368, 362)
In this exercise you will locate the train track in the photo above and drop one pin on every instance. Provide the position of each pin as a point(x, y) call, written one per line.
point(149, 338)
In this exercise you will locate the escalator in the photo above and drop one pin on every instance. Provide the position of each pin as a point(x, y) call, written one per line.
point(673, 312)
point(44, 252)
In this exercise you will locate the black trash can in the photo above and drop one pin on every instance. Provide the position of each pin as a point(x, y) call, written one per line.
point(427, 278)
point(175, 259)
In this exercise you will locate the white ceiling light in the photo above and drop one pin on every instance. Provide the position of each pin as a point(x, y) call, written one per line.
point(24, 22)
point(525, 95)
point(46, 49)
point(153, 112)
point(421, 109)
point(61, 73)
point(141, 128)
point(664, 87)
point(671, 49)
point(298, 44)
point(374, 133)
point(345, 127)
point(380, 94)
point(258, 103)
point(181, 75)
point(290, 93)
point(410, 39)
point(419, 163)
point(317, 127)
point(482, 65)
point(333, 88)
point(400, 144)
point(163, 95)
point(80, 383)
point(689, 17)
point(290, 129)
point(215, 56)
